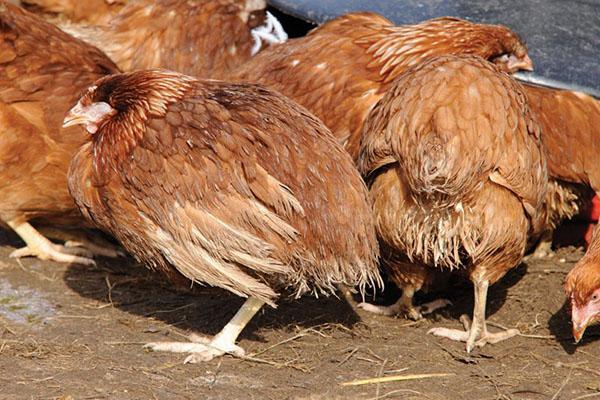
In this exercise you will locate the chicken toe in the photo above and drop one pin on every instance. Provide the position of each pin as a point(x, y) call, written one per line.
point(38, 246)
point(452, 334)
point(200, 351)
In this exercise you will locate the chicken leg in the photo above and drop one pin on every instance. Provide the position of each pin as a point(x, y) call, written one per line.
point(83, 239)
point(205, 349)
point(38, 246)
point(405, 306)
point(475, 333)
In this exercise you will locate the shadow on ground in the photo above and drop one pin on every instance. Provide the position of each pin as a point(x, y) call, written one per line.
point(205, 310)
point(459, 291)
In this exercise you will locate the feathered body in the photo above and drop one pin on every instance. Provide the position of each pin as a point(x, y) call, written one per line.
point(456, 172)
point(227, 184)
point(92, 11)
point(204, 38)
point(342, 68)
point(42, 72)
point(570, 123)
point(232, 185)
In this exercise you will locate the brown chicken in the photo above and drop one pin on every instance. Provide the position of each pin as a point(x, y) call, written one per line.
point(341, 69)
point(582, 287)
point(92, 11)
point(570, 123)
point(457, 177)
point(42, 72)
point(204, 38)
point(228, 184)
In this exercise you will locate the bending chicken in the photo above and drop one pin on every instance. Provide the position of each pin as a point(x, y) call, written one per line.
point(570, 123)
point(204, 38)
point(231, 185)
point(582, 287)
point(42, 72)
point(457, 178)
point(341, 69)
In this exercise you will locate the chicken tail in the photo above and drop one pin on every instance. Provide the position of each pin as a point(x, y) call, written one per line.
point(439, 168)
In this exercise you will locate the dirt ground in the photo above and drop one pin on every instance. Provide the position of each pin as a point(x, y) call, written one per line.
point(75, 332)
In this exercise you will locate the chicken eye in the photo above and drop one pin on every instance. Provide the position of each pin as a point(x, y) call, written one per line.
point(503, 58)
point(595, 297)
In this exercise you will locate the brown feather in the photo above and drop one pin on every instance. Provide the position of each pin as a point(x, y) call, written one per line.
point(463, 174)
point(570, 124)
point(93, 11)
point(342, 68)
point(204, 38)
point(42, 72)
point(231, 185)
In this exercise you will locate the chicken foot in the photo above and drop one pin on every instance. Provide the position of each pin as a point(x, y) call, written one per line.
point(405, 306)
point(204, 348)
point(79, 239)
point(39, 246)
point(544, 246)
point(475, 333)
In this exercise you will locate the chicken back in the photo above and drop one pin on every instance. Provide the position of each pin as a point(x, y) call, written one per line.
point(342, 68)
point(204, 38)
point(94, 11)
point(457, 178)
point(42, 72)
point(227, 184)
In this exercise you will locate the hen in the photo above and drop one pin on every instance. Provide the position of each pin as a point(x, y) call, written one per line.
point(582, 287)
point(457, 178)
point(570, 123)
point(92, 11)
point(42, 72)
point(231, 185)
point(341, 69)
point(205, 38)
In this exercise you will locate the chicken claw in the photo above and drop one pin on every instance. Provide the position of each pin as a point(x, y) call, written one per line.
point(40, 247)
point(475, 333)
point(202, 348)
point(95, 245)
point(544, 248)
point(476, 336)
point(404, 306)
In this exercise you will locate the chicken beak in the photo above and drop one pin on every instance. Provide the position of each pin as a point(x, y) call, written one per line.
point(75, 116)
point(578, 331)
point(525, 63)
